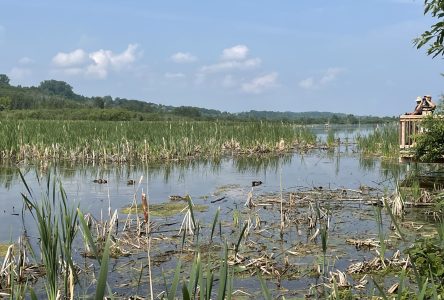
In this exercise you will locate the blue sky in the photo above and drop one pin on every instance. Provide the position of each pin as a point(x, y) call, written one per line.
point(350, 56)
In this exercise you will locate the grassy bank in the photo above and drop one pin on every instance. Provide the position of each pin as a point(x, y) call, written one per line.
point(144, 141)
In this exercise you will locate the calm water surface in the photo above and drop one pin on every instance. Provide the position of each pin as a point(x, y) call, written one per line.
point(206, 181)
point(342, 168)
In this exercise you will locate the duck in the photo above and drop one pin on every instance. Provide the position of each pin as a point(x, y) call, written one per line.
point(256, 183)
point(100, 181)
point(130, 182)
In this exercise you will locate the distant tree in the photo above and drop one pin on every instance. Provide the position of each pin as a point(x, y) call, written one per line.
point(351, 119)
point(99, 102)
point(187, 111)
point(335, 119)
point(434, 37)
point(4, 80)
point(56, 87)
point(108, 101)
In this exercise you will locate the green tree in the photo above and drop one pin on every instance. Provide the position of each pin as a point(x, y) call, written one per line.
point(99, 102)
point(57, 87)
point(434, 37)
point(430, 145)
point(187, 111)
point(4, 80)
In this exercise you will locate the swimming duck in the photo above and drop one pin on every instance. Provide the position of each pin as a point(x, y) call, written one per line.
point(100, 181)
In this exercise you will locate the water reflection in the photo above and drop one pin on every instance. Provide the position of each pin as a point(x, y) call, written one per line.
point(168, 171)
point(258, 164)
point(339, 166)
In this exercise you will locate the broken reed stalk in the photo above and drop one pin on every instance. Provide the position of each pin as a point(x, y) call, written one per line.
point(146, 209)
point(282, 209)
point(133, 204)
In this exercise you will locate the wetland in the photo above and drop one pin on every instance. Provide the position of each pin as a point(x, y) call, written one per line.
point(273, 210)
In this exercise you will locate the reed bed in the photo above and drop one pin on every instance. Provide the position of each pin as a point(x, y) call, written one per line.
point(383, 141)
point(145, 141)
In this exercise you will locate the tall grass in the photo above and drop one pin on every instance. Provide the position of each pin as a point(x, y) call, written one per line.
point(144, 141)
point(57, 233)
point(383, 141)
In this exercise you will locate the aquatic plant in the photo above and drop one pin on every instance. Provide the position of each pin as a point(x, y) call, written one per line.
point(144, 141)
point(383, 141)
point(56, 232)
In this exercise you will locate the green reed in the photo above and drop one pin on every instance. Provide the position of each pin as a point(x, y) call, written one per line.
point(56, 234)
point(383, 141)
point(144, 141)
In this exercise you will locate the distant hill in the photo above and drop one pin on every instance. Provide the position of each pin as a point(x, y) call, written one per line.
point(54, 99)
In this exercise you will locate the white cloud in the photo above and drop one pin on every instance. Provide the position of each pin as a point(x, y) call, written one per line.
point(261, 83)
point(181, 58)
point(96, 64)
point(238, 52)
point(232, 60)
point(231, 65)
point(329, 75)
point(25, 60)
point(174, 75)
point(103, 60)
point(19, 73)
point(73, 58)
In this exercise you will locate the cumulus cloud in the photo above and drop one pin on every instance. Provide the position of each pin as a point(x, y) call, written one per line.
point(231, 65)
point(96, 64)
point(225, 71)
point(103, 60)
point(329, 75)
point(238, 52)
point(181, 58)
point(261, 83)
point(174, 75)
point(73, 58)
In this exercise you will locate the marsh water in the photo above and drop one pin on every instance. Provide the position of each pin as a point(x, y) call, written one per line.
point(224, 184)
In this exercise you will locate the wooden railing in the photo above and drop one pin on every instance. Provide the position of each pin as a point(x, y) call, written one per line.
point(409, 127)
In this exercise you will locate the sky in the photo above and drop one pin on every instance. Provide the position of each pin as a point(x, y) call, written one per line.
point(348, 56)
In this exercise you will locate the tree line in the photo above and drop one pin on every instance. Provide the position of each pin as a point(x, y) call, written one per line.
point(40, 102)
